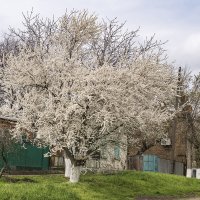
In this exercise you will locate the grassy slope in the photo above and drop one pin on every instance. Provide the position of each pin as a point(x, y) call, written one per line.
point(126, 185)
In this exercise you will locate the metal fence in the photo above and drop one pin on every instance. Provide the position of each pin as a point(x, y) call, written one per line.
point(155, 164)
point(28, 158)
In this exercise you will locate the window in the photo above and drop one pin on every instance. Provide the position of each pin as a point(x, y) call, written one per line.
point(117, 152)
point(104, 152)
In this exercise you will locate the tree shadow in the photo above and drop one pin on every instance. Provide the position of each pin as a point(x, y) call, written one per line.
point(17, 180)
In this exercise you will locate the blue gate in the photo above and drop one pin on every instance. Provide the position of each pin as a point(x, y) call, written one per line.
point(150, 163)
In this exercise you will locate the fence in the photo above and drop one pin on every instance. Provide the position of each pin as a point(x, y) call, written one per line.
point(28, 158)
point(155, 164)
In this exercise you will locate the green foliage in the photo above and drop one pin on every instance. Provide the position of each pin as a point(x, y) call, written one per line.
point(125, 185)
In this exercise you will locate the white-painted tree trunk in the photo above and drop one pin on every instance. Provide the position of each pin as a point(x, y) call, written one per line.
point(68, 166)
point(189, 173)
point(75, 173)
point(189, 155)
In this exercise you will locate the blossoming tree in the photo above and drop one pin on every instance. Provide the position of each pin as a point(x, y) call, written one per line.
point(92, 86)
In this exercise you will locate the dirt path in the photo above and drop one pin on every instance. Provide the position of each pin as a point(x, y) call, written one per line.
point(194, 198)
point(168, 198)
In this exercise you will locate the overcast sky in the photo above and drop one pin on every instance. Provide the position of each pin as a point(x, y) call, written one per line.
point(177, 21)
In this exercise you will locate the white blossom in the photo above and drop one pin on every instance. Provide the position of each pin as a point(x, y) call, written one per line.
point(70, 100)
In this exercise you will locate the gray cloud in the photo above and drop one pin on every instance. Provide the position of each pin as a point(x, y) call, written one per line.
point(175, 20)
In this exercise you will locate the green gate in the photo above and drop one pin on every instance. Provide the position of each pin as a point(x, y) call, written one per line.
point(150, 163)
point(28, 158)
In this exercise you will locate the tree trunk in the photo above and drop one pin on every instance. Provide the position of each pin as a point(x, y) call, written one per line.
point(2, 170)
point(72, 166)
point(75, 173)
point(5, 163)
point(68, 165)
point(189, 159)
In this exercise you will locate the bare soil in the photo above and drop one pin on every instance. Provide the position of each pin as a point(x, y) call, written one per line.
point(17, 180)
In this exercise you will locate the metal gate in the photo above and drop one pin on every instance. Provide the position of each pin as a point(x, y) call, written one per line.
point(28, 158)
point(150, 163)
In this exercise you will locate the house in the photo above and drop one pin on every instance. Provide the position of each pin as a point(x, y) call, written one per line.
point(170, 155)
point(167, 156)
point(29, 157)
point(175, 154)
point(112, 156)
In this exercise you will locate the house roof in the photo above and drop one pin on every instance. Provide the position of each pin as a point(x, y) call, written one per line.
point(9, 119)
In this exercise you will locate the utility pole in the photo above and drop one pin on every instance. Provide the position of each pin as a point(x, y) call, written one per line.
point(174, 125)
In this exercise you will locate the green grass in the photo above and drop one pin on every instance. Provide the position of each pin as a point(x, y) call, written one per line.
point(123, 186)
